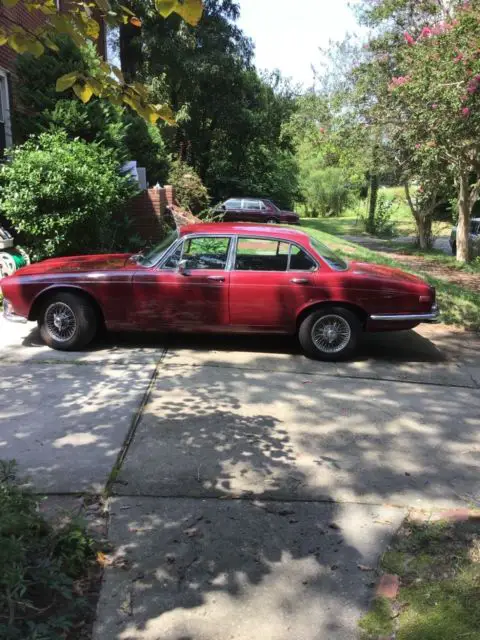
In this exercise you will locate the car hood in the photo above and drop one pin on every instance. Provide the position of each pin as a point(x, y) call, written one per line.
point(75, 264)
point(385, 273)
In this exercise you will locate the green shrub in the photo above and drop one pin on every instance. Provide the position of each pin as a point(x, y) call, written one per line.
point(39, 567)
point(326, 192)
point(116, 127)
point(383, 223)
point(62, 195)
point(191, 193)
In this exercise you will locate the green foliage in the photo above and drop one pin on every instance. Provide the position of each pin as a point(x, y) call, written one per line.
point(190, 191)
point(62, 194)
point(383, 222)
point(230, 120)
point(325, 191)
point(97, 121)
point(39, 565)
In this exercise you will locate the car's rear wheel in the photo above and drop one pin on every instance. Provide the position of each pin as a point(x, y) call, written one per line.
point(330, 334)
point(67, 322)
point(272, 221)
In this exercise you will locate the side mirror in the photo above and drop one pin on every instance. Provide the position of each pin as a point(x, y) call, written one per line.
point(182, 268)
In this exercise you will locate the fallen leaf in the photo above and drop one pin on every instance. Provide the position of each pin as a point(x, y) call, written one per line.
point(363, 567)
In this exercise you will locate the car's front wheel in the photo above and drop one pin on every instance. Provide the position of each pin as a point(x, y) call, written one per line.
point(272, 221)
point(67, 322)
point(330, 333)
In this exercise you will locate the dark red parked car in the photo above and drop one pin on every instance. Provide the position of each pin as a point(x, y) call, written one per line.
point(254, 210)
point(236, 278)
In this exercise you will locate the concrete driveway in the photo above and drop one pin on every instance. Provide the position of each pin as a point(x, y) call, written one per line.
point(251, 490)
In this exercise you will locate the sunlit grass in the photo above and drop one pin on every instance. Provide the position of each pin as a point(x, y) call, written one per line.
point(439, 569)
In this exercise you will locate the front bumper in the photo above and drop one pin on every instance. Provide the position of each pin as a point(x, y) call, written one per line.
point(10, 315)
point(431, 316)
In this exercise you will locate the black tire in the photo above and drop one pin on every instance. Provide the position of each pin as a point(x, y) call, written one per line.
point(272, 221)
point(454, 249)
point(79, 319)
point(345, 321)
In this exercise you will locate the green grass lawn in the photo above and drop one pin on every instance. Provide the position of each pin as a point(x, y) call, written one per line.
point(350, 222)
point(459, 305)
point(438, 564)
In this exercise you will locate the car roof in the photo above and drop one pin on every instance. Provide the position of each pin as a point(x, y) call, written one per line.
point(246, 198)
point(242, 228)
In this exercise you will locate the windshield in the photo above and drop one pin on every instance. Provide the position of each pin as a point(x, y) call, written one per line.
point(329, 256)
point(153, 256)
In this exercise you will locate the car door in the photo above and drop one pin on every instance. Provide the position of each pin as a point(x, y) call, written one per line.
point(270, 282)
point(252, 211)
point(233, 210)
point(193, 297)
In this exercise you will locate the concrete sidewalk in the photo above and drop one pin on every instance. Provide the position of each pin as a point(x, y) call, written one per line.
point(252, 490)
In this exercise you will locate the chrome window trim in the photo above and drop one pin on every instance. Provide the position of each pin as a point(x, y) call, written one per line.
point(276, 239)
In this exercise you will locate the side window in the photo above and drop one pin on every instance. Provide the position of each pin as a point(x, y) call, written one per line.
point(252, 205)
point(206, 253)
point(232, 204)
point(300, 261)
point(254, 254)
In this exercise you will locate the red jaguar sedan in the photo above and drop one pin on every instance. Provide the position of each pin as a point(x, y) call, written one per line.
point(236, 278)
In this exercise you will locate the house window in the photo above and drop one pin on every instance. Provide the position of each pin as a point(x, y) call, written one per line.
point(5, 123)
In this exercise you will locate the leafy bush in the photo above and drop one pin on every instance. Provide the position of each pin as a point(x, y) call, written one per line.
point(191, 193)
point(325, 191)
point(62, 195)
point(39, 567)
point(383, 225)
point(116, 127)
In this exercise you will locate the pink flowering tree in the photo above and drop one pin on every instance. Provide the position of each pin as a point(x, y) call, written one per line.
point(431, 107)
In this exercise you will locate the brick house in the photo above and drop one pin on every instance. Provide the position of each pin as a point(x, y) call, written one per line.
point(20, 15)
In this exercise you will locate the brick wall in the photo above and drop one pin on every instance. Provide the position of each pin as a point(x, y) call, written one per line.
point(20, 15)
point(146, 212)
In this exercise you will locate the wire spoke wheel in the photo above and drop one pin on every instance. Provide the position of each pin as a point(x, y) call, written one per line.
point(60, 321)
point(331, 333)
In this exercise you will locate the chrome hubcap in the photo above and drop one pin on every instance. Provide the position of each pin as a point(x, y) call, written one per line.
point(60, 321)
point(331, 333)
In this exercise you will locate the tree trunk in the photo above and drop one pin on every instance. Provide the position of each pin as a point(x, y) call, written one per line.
point(372, 203)
point(463, 227)
point(424, 231)
point(423, 220)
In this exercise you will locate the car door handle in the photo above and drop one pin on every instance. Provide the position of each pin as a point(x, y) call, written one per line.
point(300, 281)
point(216, 278)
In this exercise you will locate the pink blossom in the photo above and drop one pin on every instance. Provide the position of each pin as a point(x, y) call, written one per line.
point(434, 106)
point(459, 58)
point(408, 38)
point(417, 146)
point(398, 82)
point(465, 112)
point(420, 189)
point(426, 32)
point(472, 87)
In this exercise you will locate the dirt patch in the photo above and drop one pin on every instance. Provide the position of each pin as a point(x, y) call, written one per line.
point(433, 268)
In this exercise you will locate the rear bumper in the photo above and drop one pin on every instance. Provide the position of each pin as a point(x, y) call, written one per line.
point(10, 315)
point(431, 316)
